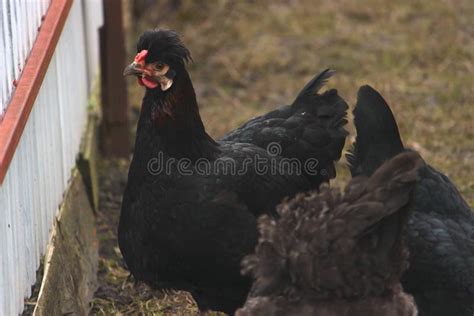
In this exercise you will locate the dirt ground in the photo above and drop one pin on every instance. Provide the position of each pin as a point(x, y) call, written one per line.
point(251, 56)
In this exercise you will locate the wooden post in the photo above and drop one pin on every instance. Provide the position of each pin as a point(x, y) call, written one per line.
point(114, 135)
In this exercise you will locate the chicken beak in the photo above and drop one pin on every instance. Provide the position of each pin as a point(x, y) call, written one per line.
point(132, 69)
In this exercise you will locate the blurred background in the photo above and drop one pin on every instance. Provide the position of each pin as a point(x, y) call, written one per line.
point(253, 56)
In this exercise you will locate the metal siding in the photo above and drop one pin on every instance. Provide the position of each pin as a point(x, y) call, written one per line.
point(8, 54)
point(3, 62)
point(19, 23)
point(41, 167)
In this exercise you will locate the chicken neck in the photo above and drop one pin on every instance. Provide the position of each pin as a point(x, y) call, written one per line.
point(170, 122)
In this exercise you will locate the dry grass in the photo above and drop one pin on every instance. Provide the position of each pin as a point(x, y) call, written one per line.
point(251, 56)
point(117, 293)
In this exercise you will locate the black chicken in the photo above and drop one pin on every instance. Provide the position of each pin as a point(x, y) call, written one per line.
point(309, 128)
point(333, 254)
point(441, 225)
point(190, 204)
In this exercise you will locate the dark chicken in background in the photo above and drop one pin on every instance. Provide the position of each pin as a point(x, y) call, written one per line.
point(302, 129)
point(441, 224)
point(190, 232)
point(333, 254)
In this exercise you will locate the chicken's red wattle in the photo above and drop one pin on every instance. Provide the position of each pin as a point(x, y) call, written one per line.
point(143, 81)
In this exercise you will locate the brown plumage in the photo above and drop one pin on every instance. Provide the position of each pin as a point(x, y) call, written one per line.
point(333, 253)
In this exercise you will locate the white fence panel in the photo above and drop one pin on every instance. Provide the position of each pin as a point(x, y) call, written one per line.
point(19, 22)
point(41, 167)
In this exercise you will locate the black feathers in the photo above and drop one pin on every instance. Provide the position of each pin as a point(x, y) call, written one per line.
point(164, 46)
point(310, 130)
point(313, 87)
point(378, 138)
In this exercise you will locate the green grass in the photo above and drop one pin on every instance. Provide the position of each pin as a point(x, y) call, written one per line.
point(251, 56)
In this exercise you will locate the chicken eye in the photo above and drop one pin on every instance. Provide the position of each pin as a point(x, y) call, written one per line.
point(159, 66)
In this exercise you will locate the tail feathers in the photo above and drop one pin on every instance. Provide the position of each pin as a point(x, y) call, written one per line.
point(315, 84)
point(378, 138)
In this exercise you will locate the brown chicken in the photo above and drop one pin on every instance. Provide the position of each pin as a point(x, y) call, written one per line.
point(333, 254)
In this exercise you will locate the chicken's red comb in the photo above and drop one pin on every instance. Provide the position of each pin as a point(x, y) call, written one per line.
point(140, 58)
